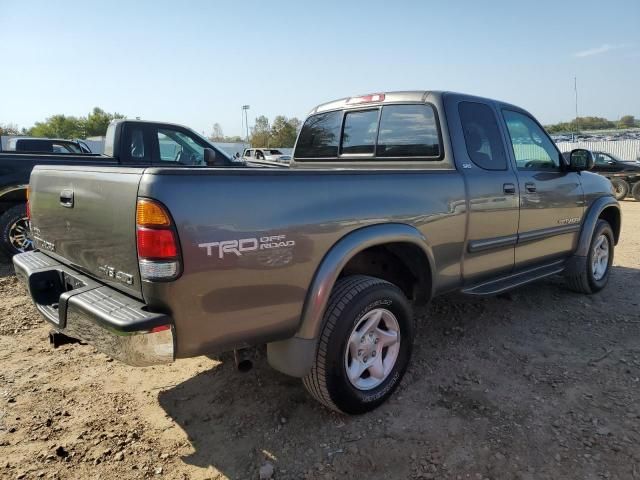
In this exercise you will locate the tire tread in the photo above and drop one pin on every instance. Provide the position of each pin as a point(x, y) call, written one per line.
point(343, 292)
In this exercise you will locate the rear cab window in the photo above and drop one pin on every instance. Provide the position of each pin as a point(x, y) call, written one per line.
point(359, 132)
point(134, 145)
point(382, 133)
point(320, 136)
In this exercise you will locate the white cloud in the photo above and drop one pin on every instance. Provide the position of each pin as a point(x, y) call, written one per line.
point(598, 50)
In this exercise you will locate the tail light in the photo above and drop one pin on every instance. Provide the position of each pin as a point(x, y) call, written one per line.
point(158, 248)
point(28, 207)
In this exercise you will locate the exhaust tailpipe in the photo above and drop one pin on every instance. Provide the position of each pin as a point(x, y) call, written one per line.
point(242, 359)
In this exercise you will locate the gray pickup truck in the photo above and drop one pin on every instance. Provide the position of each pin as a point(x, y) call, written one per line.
point(391, 199)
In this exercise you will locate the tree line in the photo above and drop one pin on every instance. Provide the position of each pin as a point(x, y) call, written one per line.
point(593, 123)
point(67, 126)
point(282, 132)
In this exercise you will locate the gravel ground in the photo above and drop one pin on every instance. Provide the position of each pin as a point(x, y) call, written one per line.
point(540, 383)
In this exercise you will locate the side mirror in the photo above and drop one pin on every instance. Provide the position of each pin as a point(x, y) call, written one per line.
point(210, 157)
point(580, 159)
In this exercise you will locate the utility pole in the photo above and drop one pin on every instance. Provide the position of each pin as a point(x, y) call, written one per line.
point(245, 109)
point(575, 89)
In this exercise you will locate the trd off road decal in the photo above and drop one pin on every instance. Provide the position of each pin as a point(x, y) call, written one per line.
point(244, 245)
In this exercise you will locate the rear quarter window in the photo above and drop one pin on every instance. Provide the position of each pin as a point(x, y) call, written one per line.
point(482, 136)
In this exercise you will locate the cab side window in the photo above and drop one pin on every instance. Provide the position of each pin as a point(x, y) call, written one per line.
point(602, 159)
point(482, 136)
point(179, 147)
point(532, 147)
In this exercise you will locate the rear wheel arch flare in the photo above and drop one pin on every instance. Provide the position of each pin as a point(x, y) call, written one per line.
point(347, 248)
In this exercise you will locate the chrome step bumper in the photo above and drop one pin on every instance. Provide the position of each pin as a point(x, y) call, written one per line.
point(80, 307)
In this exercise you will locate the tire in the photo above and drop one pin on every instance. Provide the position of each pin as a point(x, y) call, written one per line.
point(620, 188)
point(635, 191)
point(14, 231)
point(355, 304)
point(590, 279)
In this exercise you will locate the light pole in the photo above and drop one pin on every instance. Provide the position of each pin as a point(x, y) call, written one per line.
point(575, 89)
point(245, 108)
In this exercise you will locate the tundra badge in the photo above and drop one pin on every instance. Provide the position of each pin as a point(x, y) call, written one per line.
point(111, 272)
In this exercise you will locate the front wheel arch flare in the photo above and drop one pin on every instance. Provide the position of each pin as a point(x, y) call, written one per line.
point(606, 208)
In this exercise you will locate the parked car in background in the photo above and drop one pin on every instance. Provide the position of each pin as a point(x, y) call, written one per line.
point(265, 154)
point(46, 145)
point(624, 175)
point(127, 143)
point(391, 199)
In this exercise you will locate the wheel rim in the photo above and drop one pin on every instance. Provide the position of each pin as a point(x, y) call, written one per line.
point(372, 349)
point(19, 235)
point(619, 189)
point(600, 257)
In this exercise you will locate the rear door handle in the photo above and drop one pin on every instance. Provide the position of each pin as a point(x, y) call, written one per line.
point(530, 187)
point(66, 198)
point(509, 188)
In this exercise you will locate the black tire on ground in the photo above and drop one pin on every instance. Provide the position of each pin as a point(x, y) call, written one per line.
point(635, 191)
point(352, 300)
point(14, 230)
point(620, 188)
point(584, 281)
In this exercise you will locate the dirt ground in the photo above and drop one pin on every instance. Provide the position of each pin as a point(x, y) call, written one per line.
point(538, 383)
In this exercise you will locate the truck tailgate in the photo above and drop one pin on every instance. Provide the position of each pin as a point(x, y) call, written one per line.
point(85, 218)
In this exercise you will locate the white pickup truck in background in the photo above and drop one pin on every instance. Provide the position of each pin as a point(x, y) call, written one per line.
point(265, 154)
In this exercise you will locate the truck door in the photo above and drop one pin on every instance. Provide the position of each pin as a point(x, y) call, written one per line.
point(492, 191)
point(551, 199)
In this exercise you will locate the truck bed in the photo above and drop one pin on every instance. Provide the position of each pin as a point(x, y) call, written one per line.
point(291, 217)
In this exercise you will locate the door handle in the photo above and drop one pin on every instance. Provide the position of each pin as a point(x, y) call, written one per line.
point(66, 198)
point(509, 188)
point(530, 187)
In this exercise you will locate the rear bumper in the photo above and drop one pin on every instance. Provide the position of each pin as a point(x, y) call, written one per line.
point(82, 308)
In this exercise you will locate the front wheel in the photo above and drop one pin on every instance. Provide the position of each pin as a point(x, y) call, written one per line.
point(14, 231)
point(594, 274)
point(364, 347)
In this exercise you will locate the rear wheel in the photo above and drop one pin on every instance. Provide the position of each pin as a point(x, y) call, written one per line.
point(365, 345)
point(15, 236)
point(620, 188)
point(594, 274)
point(635, 191)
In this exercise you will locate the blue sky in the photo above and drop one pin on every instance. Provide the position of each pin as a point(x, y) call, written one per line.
point(197, 62)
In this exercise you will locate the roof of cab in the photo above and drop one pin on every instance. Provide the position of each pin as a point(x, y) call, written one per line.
point(406, 96)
